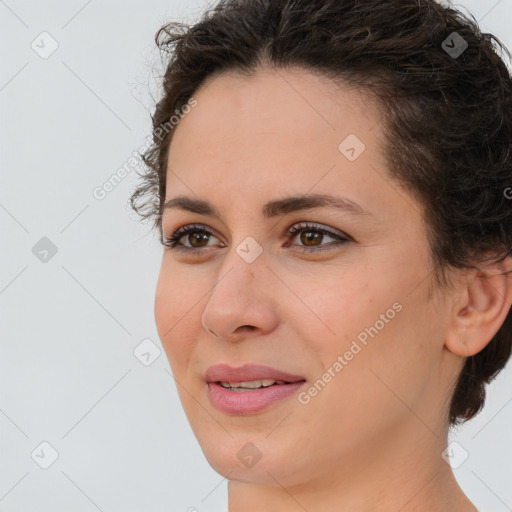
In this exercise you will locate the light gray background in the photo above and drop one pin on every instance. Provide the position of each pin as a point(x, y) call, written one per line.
point(68, 375)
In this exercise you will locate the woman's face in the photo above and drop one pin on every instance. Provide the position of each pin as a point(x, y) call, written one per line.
point(350, 321)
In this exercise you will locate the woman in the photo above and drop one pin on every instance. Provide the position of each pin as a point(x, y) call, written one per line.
point(334, 291)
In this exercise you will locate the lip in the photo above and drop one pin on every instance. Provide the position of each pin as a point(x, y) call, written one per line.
point(248, 402)
point(226, 373)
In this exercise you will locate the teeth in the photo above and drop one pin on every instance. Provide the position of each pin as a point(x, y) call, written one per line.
point(251, 384)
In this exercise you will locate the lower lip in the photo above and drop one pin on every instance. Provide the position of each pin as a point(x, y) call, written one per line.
point(247, 402)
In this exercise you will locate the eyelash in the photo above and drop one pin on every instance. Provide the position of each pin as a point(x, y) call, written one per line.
point(173, 243)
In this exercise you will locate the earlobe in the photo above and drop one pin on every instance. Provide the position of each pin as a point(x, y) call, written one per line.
point(483, 305)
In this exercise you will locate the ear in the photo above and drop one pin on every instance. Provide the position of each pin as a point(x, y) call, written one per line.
point(481, 308)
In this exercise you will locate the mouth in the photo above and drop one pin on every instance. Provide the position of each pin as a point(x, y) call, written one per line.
point(251, 385)
point(250, 388)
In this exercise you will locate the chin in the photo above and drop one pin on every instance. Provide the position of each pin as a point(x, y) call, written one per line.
point(249, 460)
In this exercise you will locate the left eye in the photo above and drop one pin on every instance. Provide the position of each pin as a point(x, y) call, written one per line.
point(309, 234)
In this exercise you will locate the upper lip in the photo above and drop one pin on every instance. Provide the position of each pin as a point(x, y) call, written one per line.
point(247, 372)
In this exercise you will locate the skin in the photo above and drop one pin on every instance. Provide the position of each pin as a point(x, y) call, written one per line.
point(372, 438)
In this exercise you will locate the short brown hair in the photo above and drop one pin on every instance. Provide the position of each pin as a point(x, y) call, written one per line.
point(448, 117)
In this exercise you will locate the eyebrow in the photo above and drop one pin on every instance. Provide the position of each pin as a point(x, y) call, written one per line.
point(275, 207)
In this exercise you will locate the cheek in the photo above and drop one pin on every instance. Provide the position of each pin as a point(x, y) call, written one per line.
point(335, 308)
point(374, 323)
point(175, 311)
point(388, 359)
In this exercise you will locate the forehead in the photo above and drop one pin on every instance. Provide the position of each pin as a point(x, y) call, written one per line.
point(272, 120)
point(292, 101)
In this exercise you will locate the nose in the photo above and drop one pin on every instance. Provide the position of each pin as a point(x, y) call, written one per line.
point(241, 303)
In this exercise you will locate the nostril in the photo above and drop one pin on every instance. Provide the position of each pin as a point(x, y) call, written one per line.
point(247, 327)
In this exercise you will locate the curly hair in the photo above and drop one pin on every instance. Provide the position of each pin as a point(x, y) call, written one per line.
point(446, 94)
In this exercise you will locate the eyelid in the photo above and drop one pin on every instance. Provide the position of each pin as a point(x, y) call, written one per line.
point(296, 228)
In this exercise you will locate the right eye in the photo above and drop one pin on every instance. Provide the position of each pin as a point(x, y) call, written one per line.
point(193, 233)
